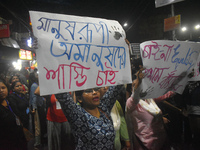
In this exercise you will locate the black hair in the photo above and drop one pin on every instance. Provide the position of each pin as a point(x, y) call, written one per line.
point(137, 63)
point(32, 79)
point(79, 94)
point(13, 85)
point(10, 80)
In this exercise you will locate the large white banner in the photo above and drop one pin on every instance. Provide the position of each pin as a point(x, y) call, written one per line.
point(167, 64)
point(76, 53)
point(160, 3)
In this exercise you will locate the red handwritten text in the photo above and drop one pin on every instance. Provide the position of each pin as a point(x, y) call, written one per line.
point(171, 81)
point(155, 74)
point(156, 52)
point(107, 74)
point(61, 68)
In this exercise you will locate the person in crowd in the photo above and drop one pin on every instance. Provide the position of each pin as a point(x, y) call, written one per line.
point(16, 78)
point(193, 111)
point(174, 110)
point(37, 106)
point(19, 103)
point(58, 128)
point(90, 121)
point(11, 131)
point(145, 121)
point(23, 74)
point(13, 78)
point(119, 122)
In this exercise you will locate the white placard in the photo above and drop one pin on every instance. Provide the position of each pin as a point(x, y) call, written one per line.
point(160, 3)
point(76, 53)
point(167, 64)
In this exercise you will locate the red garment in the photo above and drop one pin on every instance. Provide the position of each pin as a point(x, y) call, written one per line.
point(53, 114)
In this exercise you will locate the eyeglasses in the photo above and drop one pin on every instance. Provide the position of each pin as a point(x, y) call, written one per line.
point(91, 90)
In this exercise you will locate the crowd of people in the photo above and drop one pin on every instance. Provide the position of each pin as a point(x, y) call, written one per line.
point(101, 118)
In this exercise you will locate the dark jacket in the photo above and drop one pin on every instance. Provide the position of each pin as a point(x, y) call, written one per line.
point(11, 134)
point(19, 105)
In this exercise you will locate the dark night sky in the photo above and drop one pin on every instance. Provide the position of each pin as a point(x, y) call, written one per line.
point(134, 12)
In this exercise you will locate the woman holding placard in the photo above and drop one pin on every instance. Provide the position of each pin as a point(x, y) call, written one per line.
point(145, 121)
point(91, 122)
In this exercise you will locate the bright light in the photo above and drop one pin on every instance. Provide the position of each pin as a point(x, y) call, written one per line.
point(29, 42)
point(17, 65)
point(183, 29)
point(197, 27)
point(125, 24)
point(15, 45)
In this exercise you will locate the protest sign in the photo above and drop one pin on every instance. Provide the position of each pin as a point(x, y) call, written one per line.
point(196, 76)
point(160, 3)
point(167, 64)
point(76, 53)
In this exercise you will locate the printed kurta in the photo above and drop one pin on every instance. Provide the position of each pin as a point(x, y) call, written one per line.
point(91, 133)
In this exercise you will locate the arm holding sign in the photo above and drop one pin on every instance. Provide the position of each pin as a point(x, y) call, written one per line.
point(91, 117)
point(165, 96)
point(131, 103)
point(145, 117)
point(68, 106)
point(136, 83)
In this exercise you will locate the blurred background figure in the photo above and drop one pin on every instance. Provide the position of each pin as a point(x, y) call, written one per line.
point(121, 133)
point(37, 105)
point(193, 111)
point(58, 128)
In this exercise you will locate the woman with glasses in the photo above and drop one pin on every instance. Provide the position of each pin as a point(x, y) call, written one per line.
point(91, 122)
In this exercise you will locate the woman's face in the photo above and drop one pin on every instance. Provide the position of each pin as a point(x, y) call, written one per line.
point(18, 88)
point(15, 78)
point(91, 98)
point(3, 92)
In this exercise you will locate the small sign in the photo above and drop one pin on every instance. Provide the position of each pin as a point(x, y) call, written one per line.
point(25, 55)
point(172, 23)
point(4, 31)
point(160, 3)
